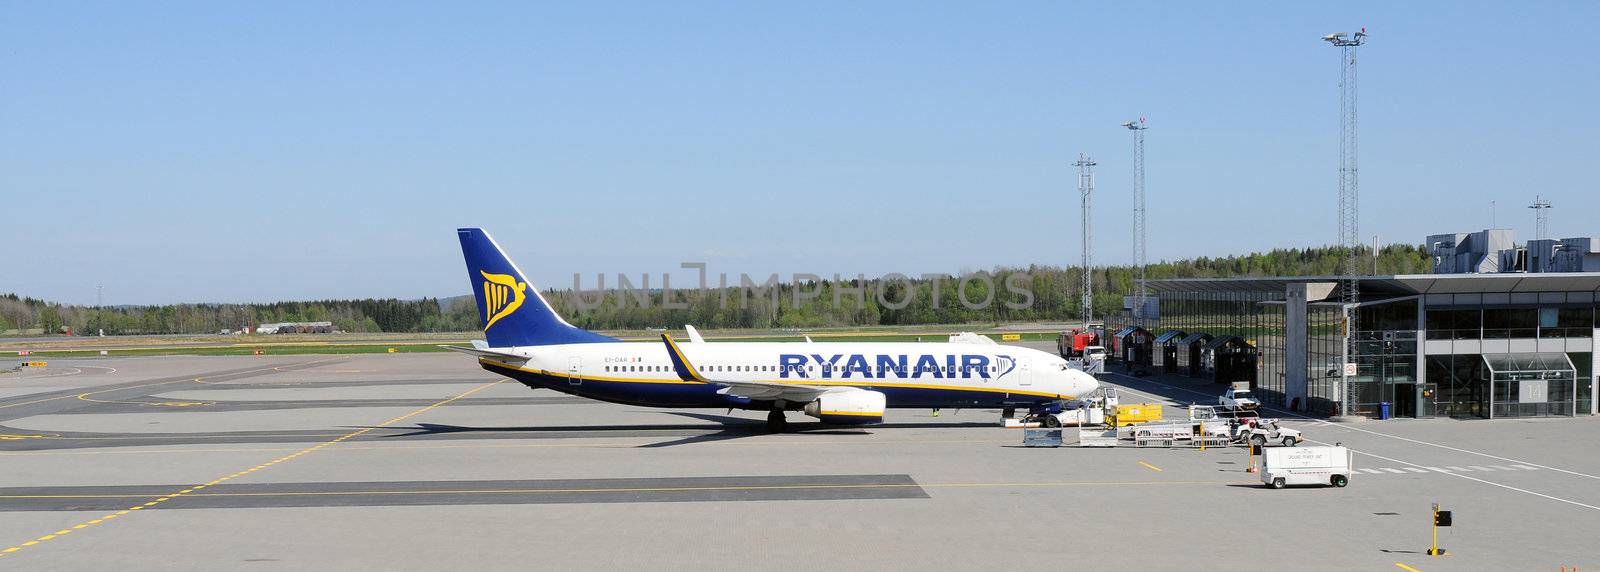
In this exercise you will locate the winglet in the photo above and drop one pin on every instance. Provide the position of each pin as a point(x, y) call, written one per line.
point(680, 364)
point(694, 335)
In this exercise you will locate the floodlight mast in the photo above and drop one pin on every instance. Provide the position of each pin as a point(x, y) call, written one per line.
point(1349, 194)
point(1085, 193)
point(1139, 250)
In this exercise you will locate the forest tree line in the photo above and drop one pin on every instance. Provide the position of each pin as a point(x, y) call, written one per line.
point(1035, 293)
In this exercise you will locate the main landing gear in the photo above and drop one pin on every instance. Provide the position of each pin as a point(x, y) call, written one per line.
point(776, 423)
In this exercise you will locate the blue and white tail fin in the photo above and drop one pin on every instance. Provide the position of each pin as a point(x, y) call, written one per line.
point(512, 311)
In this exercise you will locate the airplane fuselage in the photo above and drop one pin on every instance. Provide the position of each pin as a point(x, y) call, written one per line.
point(908, 374)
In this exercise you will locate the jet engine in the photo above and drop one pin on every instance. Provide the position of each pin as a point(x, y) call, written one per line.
point(848, 407)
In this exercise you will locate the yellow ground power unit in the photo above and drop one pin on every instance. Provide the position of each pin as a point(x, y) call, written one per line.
point(1138, 413)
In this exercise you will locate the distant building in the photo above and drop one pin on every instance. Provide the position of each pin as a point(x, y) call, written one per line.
point(295, 328)
point(1496, 251)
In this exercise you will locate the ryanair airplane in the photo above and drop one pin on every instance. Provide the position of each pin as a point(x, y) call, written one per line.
point(842, 383)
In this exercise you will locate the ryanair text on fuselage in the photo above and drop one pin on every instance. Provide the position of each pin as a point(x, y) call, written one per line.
point(842, 366)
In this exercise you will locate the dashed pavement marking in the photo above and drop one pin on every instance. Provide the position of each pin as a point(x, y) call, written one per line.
point(220, 480)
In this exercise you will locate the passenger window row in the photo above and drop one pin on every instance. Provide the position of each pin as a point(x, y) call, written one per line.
point(796, 368)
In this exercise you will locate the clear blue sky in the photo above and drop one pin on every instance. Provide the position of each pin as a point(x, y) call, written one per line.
point(217, 152)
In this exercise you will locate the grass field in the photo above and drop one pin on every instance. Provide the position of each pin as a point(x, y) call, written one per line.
point(414, 343)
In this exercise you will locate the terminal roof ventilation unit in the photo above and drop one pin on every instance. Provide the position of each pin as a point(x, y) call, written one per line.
point(1529, 366)
point(1196, 337)
point(1169, 336)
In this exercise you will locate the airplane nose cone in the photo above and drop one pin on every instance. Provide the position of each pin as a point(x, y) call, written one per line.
point(1087, 383)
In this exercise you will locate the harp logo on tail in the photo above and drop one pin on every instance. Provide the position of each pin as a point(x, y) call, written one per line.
point(502, 295)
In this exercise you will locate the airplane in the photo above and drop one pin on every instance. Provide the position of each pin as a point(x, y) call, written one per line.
point(843, 383)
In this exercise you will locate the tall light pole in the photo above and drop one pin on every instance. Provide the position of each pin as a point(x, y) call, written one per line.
point(1139, 261)
point(1349, 193)
point(99, 309)
point(1375, 251)
point(1085, 191)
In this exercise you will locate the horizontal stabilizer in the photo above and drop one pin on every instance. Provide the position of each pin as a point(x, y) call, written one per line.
point(487, 353)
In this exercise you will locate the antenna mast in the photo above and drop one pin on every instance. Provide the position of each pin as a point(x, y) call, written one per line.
point(1541, 217)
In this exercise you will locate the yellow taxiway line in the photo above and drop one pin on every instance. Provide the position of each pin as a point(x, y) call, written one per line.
point(190, 490)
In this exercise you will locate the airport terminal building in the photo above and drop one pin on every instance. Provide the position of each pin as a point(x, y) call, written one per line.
point(1488, 345)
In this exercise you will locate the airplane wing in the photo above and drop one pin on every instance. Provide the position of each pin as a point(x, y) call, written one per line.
point(488, 353)
point(748, 389)
point(694, 335)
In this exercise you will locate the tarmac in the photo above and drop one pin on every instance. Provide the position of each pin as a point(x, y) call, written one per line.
point(426, 461)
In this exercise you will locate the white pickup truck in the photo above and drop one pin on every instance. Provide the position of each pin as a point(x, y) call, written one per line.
point(1094, 359)
point(1237, 400)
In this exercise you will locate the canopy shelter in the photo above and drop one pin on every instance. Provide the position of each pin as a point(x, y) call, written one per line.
point(1233, 359)
point(1134, 346)
point(1167, 350)
point(1196, 344)
point(1531, 384)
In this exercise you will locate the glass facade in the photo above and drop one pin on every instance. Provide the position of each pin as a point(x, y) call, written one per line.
point(1464, 355)
point(1469, 384)
point(1385, 354)
point(1258, 318)
point(1447, 323)
point(1462, 386)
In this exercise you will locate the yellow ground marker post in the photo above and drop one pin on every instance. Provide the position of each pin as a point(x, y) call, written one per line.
point(1440, 518)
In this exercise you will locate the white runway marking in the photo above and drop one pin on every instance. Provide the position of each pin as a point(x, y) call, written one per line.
point(1421, 469)
point(1369, 431)
point(1457, 475)
point(1490, 483)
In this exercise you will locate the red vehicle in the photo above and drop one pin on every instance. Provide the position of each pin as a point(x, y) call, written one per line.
point(1071, 344)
